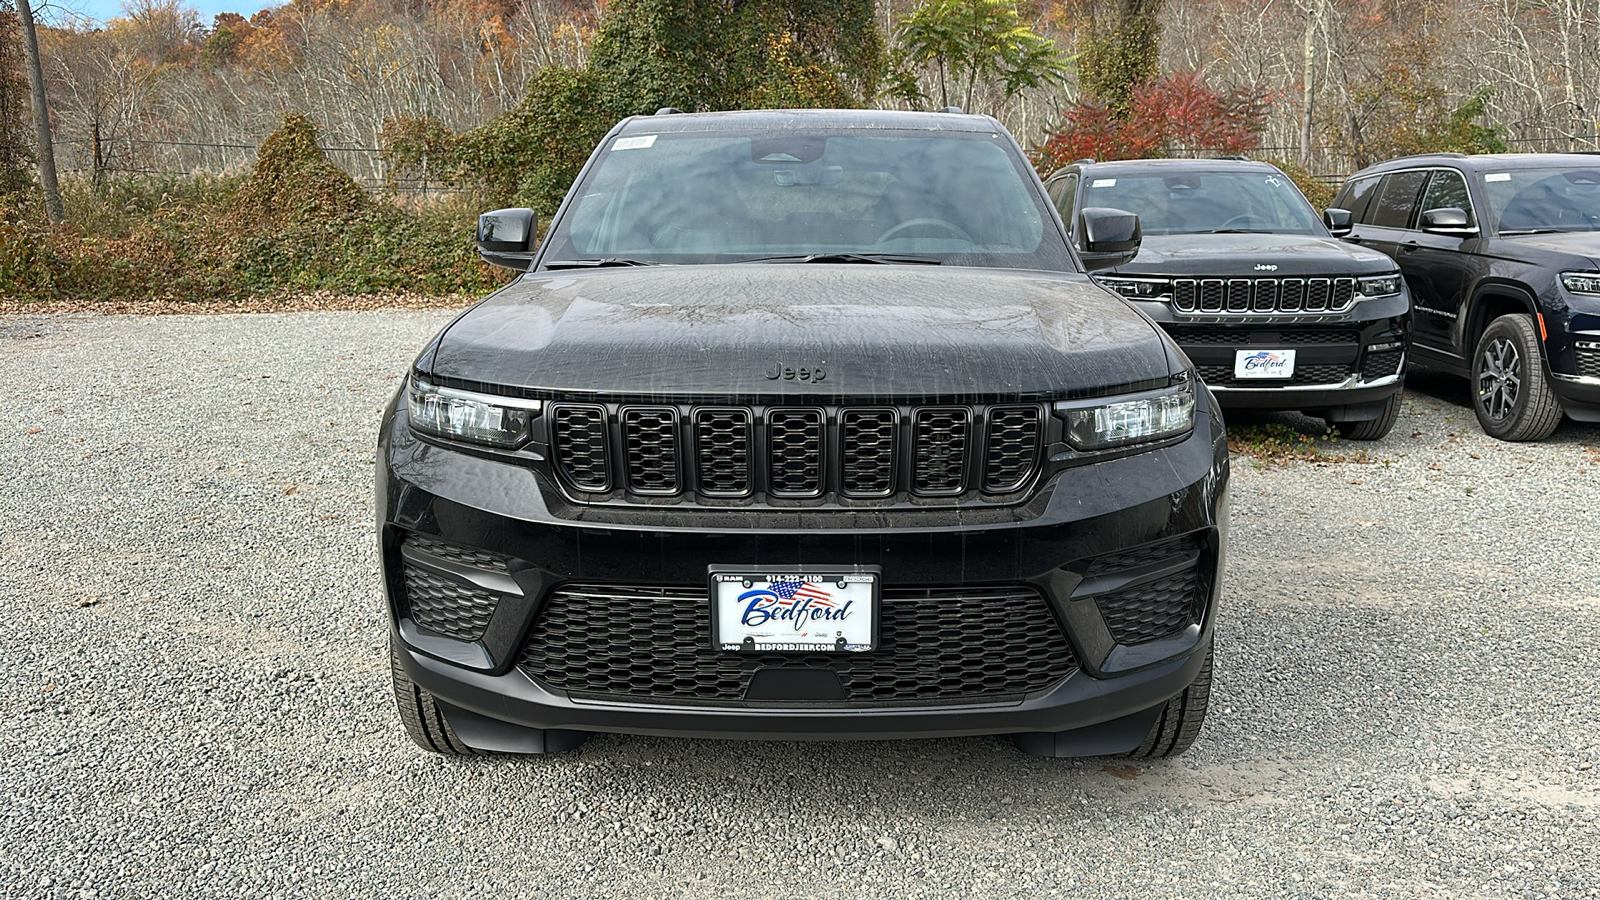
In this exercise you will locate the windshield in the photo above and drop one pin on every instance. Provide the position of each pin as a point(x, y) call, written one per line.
point(1535, 201)
point(834, 194)
point(1207, 202)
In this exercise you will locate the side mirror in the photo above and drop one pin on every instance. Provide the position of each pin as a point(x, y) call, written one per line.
point(508, 237)
point(1339, 221)
point(1109, 237)
point(1448, 220)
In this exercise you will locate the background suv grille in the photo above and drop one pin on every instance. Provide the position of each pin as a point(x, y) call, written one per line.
point(1241, 296)
point(949, 644)
point(1222, 376)
point(1588, 362)
point(796, 452)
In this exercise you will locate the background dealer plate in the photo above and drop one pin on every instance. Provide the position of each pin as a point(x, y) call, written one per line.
point(1265, 364)
point(805, 611)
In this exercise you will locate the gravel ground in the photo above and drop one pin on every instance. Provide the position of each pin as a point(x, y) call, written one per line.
point(194, 697)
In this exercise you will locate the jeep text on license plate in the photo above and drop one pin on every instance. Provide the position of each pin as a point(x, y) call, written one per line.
point(1263, 364)
point(805, 611)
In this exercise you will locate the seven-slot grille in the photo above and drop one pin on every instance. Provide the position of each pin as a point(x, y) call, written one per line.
point(1226, 296)
point(796, 452)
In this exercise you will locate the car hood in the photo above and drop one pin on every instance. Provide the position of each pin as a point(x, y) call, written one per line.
point(1585, 244)
point(840, 330)
point(1249, 255)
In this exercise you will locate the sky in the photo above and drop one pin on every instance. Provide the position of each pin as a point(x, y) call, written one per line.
point(110, 9)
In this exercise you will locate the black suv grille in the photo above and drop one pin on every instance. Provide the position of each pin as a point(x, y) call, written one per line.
point(1215, 335)
point(1222, 376)
point(445, 606)
point(1241, 296)
point(953, 645)
point(795, 453)
point(1381, 364)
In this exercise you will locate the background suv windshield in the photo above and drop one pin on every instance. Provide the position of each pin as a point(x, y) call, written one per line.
point(1536, 200)
point(1206, 202)
point(731, 196)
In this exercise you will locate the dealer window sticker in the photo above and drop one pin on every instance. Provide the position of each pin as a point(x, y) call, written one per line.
point(1103, 182)
point(634, 143)
point(1497, 176)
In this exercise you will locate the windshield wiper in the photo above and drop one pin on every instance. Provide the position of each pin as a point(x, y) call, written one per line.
point(601, 262)
point(1239, 231)
point(1506, 231)
point(877, 258)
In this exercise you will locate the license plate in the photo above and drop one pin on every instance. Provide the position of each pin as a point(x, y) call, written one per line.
point(1263, 364)
point(795, 610)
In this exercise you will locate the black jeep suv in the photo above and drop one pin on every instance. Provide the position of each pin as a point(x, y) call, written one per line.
point(1235, 264)
point(802, 425)
point(1502, 253)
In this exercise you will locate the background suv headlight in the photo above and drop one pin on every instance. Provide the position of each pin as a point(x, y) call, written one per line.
point(466, 416)
point(1581, 282)
point(1133, 419)
point(1380, 285)
point(1136, 288)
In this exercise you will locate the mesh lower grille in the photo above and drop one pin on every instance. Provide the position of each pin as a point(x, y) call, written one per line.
point(1142, 556)
point(1153, 610)
point(942, 436)
point(447, 607)
point(951, 645)
point(1222, 376)
point(452, 553)
point(1588, 362)
point(1224, 336)
point(1382, 364)
point(868, 449)
point(1013, 440)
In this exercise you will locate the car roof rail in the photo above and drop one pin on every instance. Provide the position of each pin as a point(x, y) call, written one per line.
point(1235, 156)
point(669, 111)
point(1442, 153)
point(952, 109)
point(1086, 161)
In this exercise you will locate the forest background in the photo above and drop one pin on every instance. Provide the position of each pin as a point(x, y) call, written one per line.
point(345, 145)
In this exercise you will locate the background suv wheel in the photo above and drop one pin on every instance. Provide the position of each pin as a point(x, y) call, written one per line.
point(1510, 395)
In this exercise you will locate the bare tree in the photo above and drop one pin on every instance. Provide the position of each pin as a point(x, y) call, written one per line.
point(41, 116)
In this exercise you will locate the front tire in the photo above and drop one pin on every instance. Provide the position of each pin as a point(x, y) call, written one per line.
point(424, 722)
point(1372, 429)
point(1511, 398)
point(1180, 721)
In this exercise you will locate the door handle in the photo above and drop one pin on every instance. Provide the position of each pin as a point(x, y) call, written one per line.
point(1408, 247)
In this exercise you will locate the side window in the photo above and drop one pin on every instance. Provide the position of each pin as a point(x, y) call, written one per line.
point(1356, 196)
point(1448, 188)
point(1397, 198)
point(1064, 194)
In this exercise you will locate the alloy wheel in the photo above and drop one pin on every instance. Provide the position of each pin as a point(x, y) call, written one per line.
point(1500, 380)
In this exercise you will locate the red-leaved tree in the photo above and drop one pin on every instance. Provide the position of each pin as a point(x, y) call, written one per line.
point(1176, 114)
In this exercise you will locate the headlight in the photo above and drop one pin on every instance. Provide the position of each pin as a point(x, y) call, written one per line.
point(1135, 288)
point(1581, 282)
point(1380, 285)
point(465, 416)
point(1135, 419)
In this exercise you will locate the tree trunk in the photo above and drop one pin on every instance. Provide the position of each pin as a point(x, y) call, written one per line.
point(41, 117)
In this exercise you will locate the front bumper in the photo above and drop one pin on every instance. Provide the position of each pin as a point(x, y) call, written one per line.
point(506, 510)
point(1337, 369)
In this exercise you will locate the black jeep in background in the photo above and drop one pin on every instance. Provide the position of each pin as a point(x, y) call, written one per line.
point(1502, 255)
point(1235, 264)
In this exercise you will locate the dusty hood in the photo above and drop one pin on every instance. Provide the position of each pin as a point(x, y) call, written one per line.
point(815, 330)
point(1250, 255)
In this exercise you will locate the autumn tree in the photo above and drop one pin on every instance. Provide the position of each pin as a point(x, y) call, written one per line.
point(1178, 114)
point(972, 40)
point(1120, 52)
point(15, 158)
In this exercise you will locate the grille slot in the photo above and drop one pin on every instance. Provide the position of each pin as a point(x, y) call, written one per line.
point(465, 556)
point(1013, 445)
point(941, 437)
point(1142, 556)
point(955, 645)
point(1225, 335)
point(1588, 362)
point(794, 440)
point(1243, 296)
point(722, 442)
point(581, 442)
point(650, 442)
point(447, 607)
point(867, 450)
point(1381, 364)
